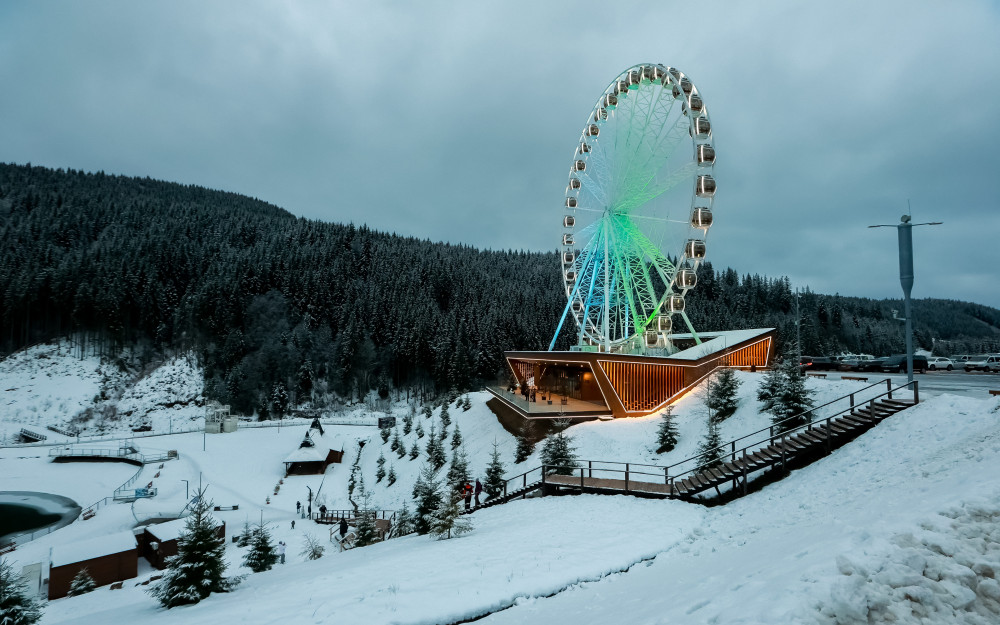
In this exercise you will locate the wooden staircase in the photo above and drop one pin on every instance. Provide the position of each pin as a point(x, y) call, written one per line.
point(799, 439)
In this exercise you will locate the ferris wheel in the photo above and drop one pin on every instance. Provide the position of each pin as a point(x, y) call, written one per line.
point(637, 211)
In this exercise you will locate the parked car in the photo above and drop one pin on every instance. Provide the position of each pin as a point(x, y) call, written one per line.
point(940, 362)
point(897, 363)
point(875, 364)
point(854, 362)
point(817, 363)
point(989, 364)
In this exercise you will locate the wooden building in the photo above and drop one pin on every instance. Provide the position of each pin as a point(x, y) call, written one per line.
point(108, 559)
point(158, 542)
point(591, 384)
point(314, 454)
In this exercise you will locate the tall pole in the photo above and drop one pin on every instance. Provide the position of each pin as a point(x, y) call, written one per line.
point(798, 327)
point(904, 230)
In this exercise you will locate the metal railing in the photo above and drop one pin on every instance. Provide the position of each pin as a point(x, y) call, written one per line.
point(546, 402)
point(124, 453)
point(668, 475)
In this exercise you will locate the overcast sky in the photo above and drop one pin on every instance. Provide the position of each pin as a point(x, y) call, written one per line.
point(457, 121)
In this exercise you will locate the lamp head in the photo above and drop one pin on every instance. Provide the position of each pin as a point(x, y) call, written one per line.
point(905, 219)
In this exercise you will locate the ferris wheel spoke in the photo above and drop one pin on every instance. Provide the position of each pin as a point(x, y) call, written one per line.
point(652, 95)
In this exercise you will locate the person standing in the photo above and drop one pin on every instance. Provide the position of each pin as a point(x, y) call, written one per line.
point(343, 527)
point(468, 496)
point(281, 551)
point(479, 491)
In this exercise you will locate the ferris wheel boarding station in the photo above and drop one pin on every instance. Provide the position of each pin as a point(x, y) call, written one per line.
point(639, 203)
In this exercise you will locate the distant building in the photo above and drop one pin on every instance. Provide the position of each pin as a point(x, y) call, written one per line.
point(314, 453)
point(218, 420)
point(108, 559)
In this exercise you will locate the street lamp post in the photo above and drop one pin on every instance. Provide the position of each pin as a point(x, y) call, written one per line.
point(187, 494)
point(905, 231)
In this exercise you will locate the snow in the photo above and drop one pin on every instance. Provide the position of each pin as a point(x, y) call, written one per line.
point(172, 530)
point(80, 551)
point(898, 525)
point(713, 342)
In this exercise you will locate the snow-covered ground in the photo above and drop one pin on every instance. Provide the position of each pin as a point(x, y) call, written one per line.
point(899, 523)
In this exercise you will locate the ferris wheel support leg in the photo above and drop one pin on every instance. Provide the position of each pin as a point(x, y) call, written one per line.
point(687, 322)
point(559, 327)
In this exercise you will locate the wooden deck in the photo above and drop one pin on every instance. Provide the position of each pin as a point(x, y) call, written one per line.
point(552, 406)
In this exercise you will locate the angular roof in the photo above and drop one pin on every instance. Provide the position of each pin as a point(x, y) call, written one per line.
point(83, 550)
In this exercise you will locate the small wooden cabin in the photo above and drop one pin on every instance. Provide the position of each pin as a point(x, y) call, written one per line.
point(108, 559)
point(159, 542)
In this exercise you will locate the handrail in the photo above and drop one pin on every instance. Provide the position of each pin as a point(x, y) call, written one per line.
point(664, 470)
point(671, 479)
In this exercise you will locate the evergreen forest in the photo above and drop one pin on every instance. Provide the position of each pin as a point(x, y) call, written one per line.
point(281, 309)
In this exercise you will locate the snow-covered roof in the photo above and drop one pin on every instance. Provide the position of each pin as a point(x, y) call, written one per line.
point(92, 548)
point(713, 342)
point(308, 454)
point(172, 530)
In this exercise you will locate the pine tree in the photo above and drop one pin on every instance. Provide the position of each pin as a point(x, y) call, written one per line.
point(312, 549)
point(444, 432)
point(391, 479)
point(709, 454)
point(724, 399)
point(525, 446)
point(404, 522)
point(558, 455)
point(447, 519)
point(456, 438)
point(666, 435)
point(419, 430)
point(197, 569)
point(380, 472)
point(82, 583)
point(793, 399)
point(435, 451)
point(771, 388)
point(415, 451)
point(458, 472)
point(467, 405)
point(262, 554)
point(428, 412)
point(494, 483)
point(366, 532)
point(17, 606)
point(396, 442)
point(245, 536)
point(426, 497)
point(407, 424)
point(445, 417)
point(385, 433)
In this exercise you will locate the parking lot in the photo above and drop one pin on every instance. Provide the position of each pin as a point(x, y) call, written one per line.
point(975, 384)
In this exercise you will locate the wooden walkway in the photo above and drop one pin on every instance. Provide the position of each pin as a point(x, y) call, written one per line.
point(808, 442)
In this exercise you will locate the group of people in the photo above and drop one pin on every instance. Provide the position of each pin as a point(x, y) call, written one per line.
point(467, 491)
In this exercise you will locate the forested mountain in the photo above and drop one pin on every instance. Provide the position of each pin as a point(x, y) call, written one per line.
point(277, 304)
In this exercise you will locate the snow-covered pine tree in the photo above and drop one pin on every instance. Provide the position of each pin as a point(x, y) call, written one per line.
point(558, 455)
point(426, 496)
point(17, 606)
point(385, 433)
point(435, 450)
point(262, 554)
point(458, 472)
point(467, 404)
point(313, 549)
point(380, 471)
point(81, 584)
point(794, 398)
point(494, 483)
point(419, 430)
point(709, 454)
point(366, 532)
point(447, 519)
point(771, 387)
point(197, 569)
point(245, 536)
point(396, 442)
point(402, 451)
point(404, 522)
point(525, 446)
point(428, 412)
point(444, 432)
point(456, 438)
point(391, 478)
point(407, 424)
point(415, 451)
point(666, 434)
point(445, 417)
point(724, 399)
